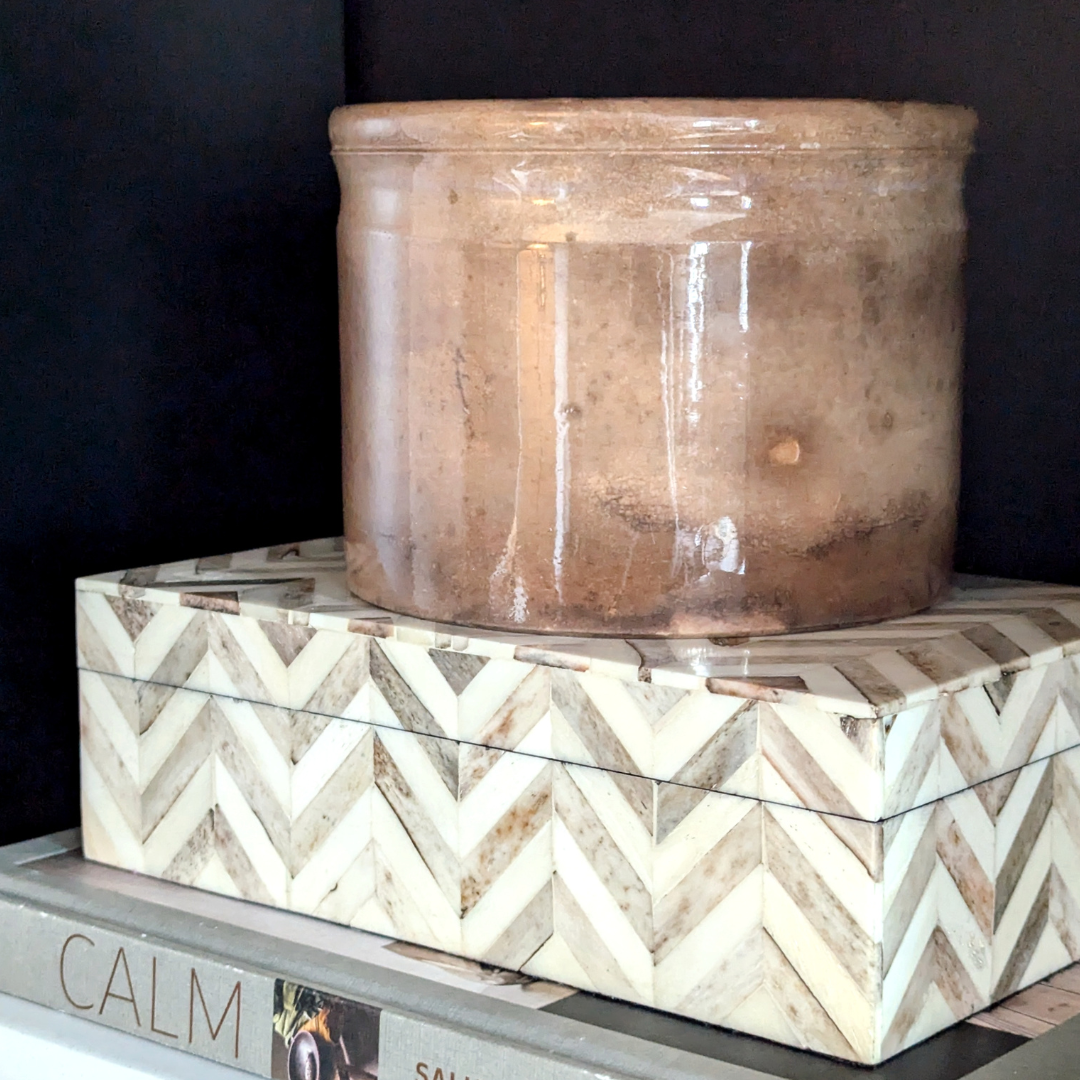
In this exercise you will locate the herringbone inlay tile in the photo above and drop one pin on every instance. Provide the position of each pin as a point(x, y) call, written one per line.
point(866, 722)
point(853, 938)
point(843, 841)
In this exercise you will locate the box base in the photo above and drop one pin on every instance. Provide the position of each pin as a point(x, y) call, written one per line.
point(851, 938)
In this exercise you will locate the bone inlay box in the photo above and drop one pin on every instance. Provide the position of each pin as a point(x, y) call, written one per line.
point(844, 841)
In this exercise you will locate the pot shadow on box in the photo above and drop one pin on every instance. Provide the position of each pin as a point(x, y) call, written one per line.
point(950, 1055)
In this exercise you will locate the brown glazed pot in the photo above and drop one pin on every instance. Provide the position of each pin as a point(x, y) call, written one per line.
point(651, 367)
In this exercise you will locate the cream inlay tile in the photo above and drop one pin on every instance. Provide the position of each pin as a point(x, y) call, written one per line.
point(1029, 783)
point(115, 836)
point(215, 878)
point(249, 831)
point(424, 679)
point(105, 640)
point(108, 712)
point(819, 969)
point(168, 729)
point(1015, 918)
point(415, 907)
point(162, 634)
point(502, 904)
point(181, 820)
point(836, 863)
point(313, 665)
point(323, 869)
point(539, 739)
point(835, 755)
point(603, 913)
point(247, 729)
point(977, 829)
point(625, 719)
point(493, 796)
point(319, 763)
point(719, 943)
point(416, 758)
point(712, 819)
point(371, 706)
point(626, 830)
point(244, 641)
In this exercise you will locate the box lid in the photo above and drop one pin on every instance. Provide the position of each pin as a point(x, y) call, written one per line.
point(985, 629)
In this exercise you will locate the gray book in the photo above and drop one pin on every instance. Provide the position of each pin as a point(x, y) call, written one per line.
point(284, 995)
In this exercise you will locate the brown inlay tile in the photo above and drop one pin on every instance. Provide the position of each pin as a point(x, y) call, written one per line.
point(523, 709)
point(586, 945)
point(848, 942)
point(995, 644)
point(761, 687)
point(441, 861)
point(133, 614)
point(140, 578)
point(1064, 913)
point(1031, 826)
point(602, 852)
point(965, 869)
point(186, 652)
point(526, 934)
point(287, 639)
point(783, 750)
point(257, 793)
point(411, 712)
point(240, 670)
point(673, 803)
point(458, 669)
point(187, 864)
point(733, 744)
point(870, 682)
point(505, 840)
point(589, 724)
point(237, 865)
point(935, 661)
point(342, 682)
point(919, 757)
point(121, 784)
point(715, 875)
point(97, 656)
point(351, 780)
point(1026, 943)
point(938, 965)
point(994, 794)
point(962, 741)
point(225, 601)
point(474, 763)
point(1054, 625)
point(175, 773)
point(797, 1002)
point(909, 894)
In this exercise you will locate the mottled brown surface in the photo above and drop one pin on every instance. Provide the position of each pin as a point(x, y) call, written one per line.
point(651, 368)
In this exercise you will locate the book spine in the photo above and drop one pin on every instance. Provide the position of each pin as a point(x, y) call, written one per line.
point(131, 982)
point(205, 1005)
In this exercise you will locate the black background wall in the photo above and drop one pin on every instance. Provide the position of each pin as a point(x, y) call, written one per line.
point(168, 319)
point(167, 299)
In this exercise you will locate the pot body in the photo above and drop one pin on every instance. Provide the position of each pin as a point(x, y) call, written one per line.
point(653, 368)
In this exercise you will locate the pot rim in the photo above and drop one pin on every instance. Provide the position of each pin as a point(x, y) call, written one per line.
point(651, 125)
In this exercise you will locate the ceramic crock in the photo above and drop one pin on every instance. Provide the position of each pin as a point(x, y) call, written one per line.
point(651, 367)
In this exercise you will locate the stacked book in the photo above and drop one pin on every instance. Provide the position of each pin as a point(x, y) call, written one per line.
point(283, 995)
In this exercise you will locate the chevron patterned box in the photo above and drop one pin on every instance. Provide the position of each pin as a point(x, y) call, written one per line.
point(843, 841)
